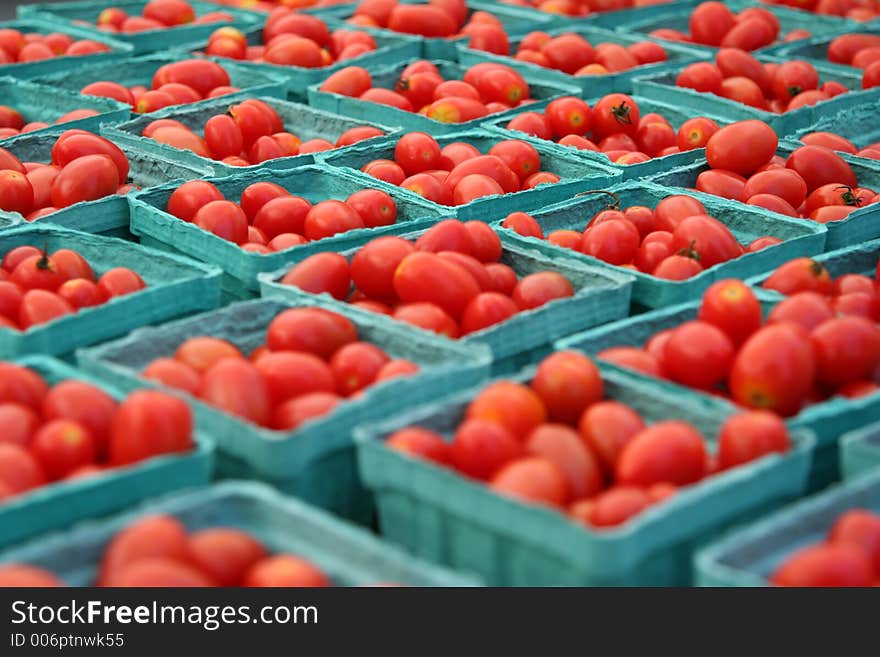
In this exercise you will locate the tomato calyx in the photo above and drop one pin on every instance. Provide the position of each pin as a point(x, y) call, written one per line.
point(613, 205)
point(691, 251)
point(621, 113)
point(848, 196)
point(794, 91)
point(817, 268)
point(44, 264)
point(402, 85)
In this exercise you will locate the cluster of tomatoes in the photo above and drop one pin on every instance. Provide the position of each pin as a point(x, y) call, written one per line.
point(450, 280)
point(248, 133)
point(857, 10)
point(573, 54)
point(615, 127)
point(83, 167)
point(158, 551)
point(861, 51)
point(458, 173)
point(558, 442)
point(74, 429)
point(36, 287)
point(311, 361)
point(177, 83)
point(738, 76)
point(714, 24)
point(793, 359)
point(269, 218)
point(17, 47)
point(156, 15)
point(583, 7)
point(485, 88)
point(815, 296)
point(435, 19)
point(839, 143)
point(849, 556)
point(12, 123)
point(813, 182)
point(292, 39)
point(675, 241)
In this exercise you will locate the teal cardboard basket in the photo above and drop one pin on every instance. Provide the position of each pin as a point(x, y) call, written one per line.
point(789, 19)
point(815, 49)
point(576, 174)
point(84, 14)
point(600, 296)
point(134, 71)
point(29, 70)
point(154, 226)
point(860, 226)
point(43, 103)
point(589, 85)
point(516, 20)
point(303, 121)
point(747, 223)
point(175, 287)
point(391, 48)
point(621, 18)
point(444, 517)
point(60, 504)
point(662, 87)
point(8, 220)
point(854, 120)
point(675, 114)
point(315, 462)
point(860, 452)
point(348, 555)
point(108, 215)
point(541, 90)
point(750, 556)
point(828, 420)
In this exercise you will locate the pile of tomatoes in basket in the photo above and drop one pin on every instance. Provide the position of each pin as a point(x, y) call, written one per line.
point(558, 441)
point(17, 47)
point(156, 15)
point(311, 362)
point(12, 123)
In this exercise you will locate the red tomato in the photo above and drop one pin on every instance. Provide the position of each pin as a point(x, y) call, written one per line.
point(149, 423)
point(606, 427)
point(800, 275)
point(731, 306)
point(375, 207)
point(742, 147)
point(312, 330)
point(710, 22)
point(615, 242)
point(825, 565)
point(615, 113)
point(749, 436)
point(202, 353)
point(285, 570)
point(794, 77)
point(846, 349)
point(355, 135)
point(322, 273)
point(174, 374)
point(62, 446)
point(832, 194)
point(524, 224)
point(38, 272)
point(86, 178)
point(290, 415)
point(151, 537)
point(632, 358)
point(521, 157)
point(734, 62)
point(280, 215)
point(224, 219)
point(429, 317)
point(858, 528)
point(774, 369)
point(235, 386)
point(190, 197)
point(720, 182)
point(784, 183)
point(504, 279)
point(19, 575)
point(807, 309)
point(421, 443)
point(485, 243)
point(829, 140)
point(669, 451)
point(18, 424)
point(533, 480)
point(290, 374)
point(673, 209)
point(75, 144)
point(72, 265)
point(16, 192)
point(481, 447)
point(708, 237)
point(41, 306)
point(819, 166)
point(328, 218)
point(513, 405)
point(567, 116)
point(397, 368)
point(426, 277)
point(700, 76)
point(224, 554)
point(617, 505)
point(540, 288)
point(85, 404)
point(21, 385)
point(698, 354)
point(485, 310)
point(356, 366)
point(561, 445)
point(373, 266)
point(416, 152)
point(19, 469)
point(119, 281)
point(567, 382)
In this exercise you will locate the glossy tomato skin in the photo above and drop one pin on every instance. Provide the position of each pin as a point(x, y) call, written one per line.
point(86, 178)
point(299, 410)
point(312, 330)
point(742, 147)
point(748, 436)
point(426, 277)
point(373, 266)
point(356, 366)
point(732, 306)
point(85, 404)
point(617, 505)
point(807, 309)
point(75, 144)
point(672, 210)
point(173, 374)
point(606, 427)
point(224, 554)
point(201, 353)
point(819, 166)
point(61, 446)
point(568, 382)
point(422, 443)
point(485, 310)
point(284, 570)
point(149, 423)
point(120, 281)
point(322, 273)
point(615, 113)
point(846, 349)
point(534, 480)
point(480, 448)
point(18, 424)
point(800, 275)
point(290, 374)
point(826, 566)
point(706, 236)
point(859, 528)
point(40, 307)
point(561, 445)
point(540, 288)
point(224, 219)
point(698, 354)
point(669, 451)
point(513, 405)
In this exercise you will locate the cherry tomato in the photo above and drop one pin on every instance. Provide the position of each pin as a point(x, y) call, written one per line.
point(85, 404)
point(800, 275)
point(749, 436)
point(731, 306)
point(422, 443)
point(540, 288)
point(606, 427)
point(173, 374)
point(151, 537)
point(322, 273)
point(742, 147)
point(295, 412)
point(356, 366)
point(567, 382)
point(290, 374)
point(312, 330)
point(668, 451)
point(120, 281)
point(615, 113)
point(149, 423)
point(846, 349)
point(427, 316)
point(534, 480)
point(807, 309)
point(513, 405)
point(224, 554)
point(825, 565)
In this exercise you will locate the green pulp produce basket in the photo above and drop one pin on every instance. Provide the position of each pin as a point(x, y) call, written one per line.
point(348, 555)
point(516, 20)
point(315, 462)
point(156, 227)
point(541, 90)
point(576, 173)
point(789, 19)
point(108, 215)
point(35, 69)
point(815, 48)
point(390, 49)
point(750, 556)
point(860, 451)
point(303, 121)
point(600, 296)
point(828, 420)
point(134, 71)
point(855, 120)
point(859, 227)
point(800, 238)
point(591, 85)
point(675, 114)
point(662, 87)
point(60, 504)
point(84, 14)
point(440, 515)
point(175, 286)
point(45, 104)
